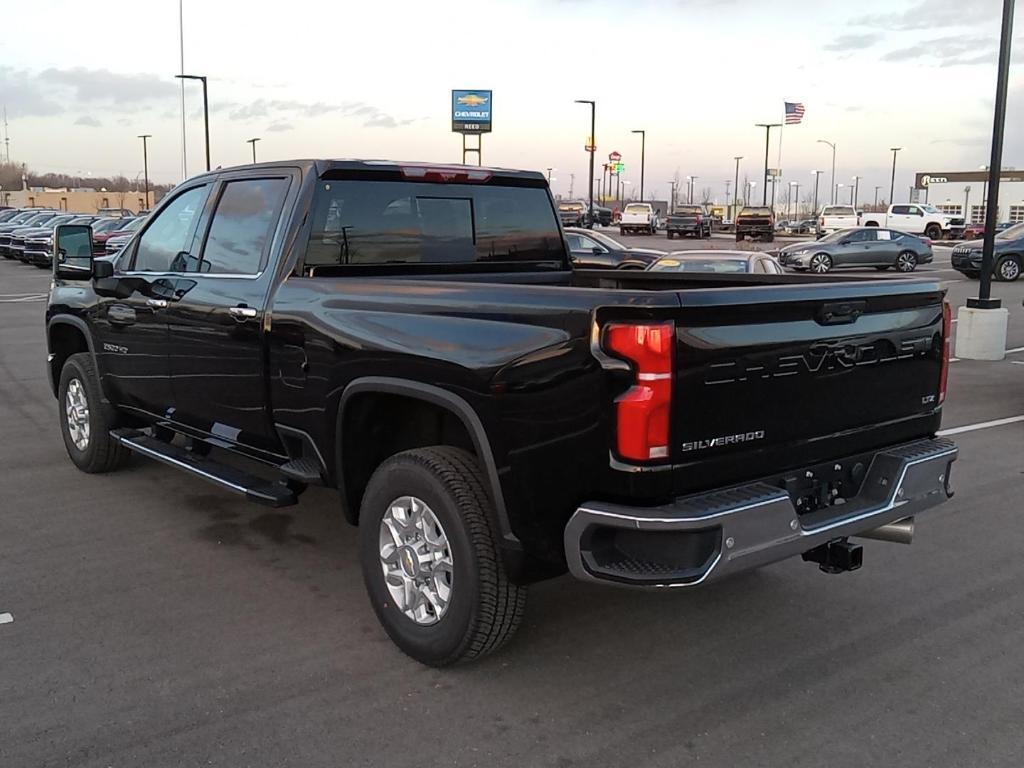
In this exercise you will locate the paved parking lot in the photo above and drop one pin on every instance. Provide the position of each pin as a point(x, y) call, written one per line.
point(156, 621)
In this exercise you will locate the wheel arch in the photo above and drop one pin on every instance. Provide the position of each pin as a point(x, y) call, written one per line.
point(365, 396)
point(67, 335)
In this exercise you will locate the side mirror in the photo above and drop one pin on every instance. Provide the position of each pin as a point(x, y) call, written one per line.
point(72, 252)
point(597, 249)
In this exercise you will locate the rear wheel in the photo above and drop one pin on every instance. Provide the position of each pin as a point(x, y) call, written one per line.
point(670, 234)
point(430, 561)
point(933, 232)
point(1008, 269)
point(85, 419)
point(906, 261)
point(820, 263)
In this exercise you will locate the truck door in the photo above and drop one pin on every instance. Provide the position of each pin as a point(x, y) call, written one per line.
point(131, 328)
point(216, 356)
point(902, 218)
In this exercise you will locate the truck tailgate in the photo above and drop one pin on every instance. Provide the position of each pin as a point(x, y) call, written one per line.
point(772, 378)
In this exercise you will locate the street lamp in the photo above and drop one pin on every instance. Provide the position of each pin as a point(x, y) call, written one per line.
point(727, 183)
point(967, 199)
point(817, 175)
point(145, 164)
point(549, 170)
point(672, 202)
point(767, 134)
point(877, 187)
point(591, 148)
point(253, 142)
point(892, 182)
point(750, 191)
point(206, 111)
point(643, 146)
point(835, 194)
point(833, 182)
point(796, 206)
point(689, 194)
point(856, 191)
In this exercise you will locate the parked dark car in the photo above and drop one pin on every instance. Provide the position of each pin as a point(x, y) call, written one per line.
point(755, 222)
point(30, 219)
point(862, 247)
point(116, 239)
point(802, 227)
point(603, 215)
point(39, 242)
point(718, 262)
point(596, 250)
point(1009, 255)
point(572, 214)
point(20, 236)
point(415, 337)
point(688, 220)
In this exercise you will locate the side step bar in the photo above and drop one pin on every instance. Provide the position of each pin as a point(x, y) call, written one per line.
point(230, 478)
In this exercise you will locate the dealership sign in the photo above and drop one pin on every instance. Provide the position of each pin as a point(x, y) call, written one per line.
point(471, 111)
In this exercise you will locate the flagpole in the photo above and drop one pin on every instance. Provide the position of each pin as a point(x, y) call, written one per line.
point(778, 164)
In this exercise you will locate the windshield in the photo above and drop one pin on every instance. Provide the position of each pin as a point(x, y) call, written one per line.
point(572, 207)
point(358, 222)
point(688, 209)
point(1013, 233)
point(930, 209)
point(699, 265)
point(638, 208)
point(756, 212)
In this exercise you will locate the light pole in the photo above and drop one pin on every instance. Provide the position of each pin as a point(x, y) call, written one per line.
point(796, 207)
point(767, 135)
point(672, 202)
point(689, 185)
point(750, 190)
point(549, 170)
point(253, 142)
point(727, 183)
point(967, 199)
point(206, 112)
point(643, 147)
point(856, 191)
point(878, 187)
point(892, 181)
point(835, 193)
point(591, 148)
point(736, 185)
point(145, 164)
point(833, 182)
point(817, 175)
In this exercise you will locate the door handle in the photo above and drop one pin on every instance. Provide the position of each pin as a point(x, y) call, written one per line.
point(157, 303)
point(242, 313)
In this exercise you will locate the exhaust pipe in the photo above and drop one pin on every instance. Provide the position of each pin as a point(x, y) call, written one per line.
point(898, 532)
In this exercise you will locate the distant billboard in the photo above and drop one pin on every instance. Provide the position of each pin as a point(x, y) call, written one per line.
point(471, 111)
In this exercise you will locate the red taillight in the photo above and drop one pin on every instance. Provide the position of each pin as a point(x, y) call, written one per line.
point(947, 341)
point(698, 218)
point(644, 410)
point(445, 173)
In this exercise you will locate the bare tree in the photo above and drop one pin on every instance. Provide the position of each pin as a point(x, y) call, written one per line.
point(707, 196)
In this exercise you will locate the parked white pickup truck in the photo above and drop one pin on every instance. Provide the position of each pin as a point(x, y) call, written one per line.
point(639, 217)
point(835, 217)
point(916, 219)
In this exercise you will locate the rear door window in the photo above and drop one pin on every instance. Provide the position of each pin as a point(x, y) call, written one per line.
point(243, 225)
point(901, 210)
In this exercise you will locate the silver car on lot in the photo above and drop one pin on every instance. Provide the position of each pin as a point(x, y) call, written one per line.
point(859, 247)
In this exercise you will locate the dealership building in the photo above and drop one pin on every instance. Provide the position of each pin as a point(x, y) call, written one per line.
point(965, 193)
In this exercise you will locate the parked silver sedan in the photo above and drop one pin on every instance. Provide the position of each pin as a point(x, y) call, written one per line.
point(860, 247)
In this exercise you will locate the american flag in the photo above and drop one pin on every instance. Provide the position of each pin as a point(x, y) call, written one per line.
point(794, 112)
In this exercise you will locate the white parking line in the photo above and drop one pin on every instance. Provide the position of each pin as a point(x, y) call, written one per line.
point(6, 618)
point(980, 425)
point(1014, 350)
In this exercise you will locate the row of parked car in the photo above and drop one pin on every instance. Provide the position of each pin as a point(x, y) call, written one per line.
point(26, 234)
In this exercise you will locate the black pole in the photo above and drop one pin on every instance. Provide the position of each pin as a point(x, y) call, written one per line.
point(643, 160)
point(145, 165)
point(593, 150)
point(892, 181)
point(985, 300)
point(817, 175)
point(736, 186)
point(206, 122)
point(834, 201)
point(856, 190)
point(876, 196)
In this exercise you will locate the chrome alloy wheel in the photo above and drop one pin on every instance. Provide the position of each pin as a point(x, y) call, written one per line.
point(416, 560)
point(906, 262)
point(1009, 270)
point(76, 407)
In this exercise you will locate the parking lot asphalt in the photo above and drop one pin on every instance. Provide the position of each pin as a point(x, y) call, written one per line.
point(157, 621)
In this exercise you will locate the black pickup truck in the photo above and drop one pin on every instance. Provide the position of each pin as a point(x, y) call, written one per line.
point(688, 220)
point(415, 337)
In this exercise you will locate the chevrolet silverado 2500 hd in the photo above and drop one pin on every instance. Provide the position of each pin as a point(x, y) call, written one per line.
point(415, 337)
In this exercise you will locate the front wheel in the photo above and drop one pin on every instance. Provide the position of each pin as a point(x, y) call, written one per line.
point(820, 263)
point(906, 261)
point(85, 419)
point(670, 234)
point(933, 232)
point(1008, 269)
point(622, 232)
point(430, 561)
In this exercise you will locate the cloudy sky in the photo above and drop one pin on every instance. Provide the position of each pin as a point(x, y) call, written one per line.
point(373, 79)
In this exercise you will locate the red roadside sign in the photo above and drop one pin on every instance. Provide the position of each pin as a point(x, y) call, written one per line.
point(614, 157)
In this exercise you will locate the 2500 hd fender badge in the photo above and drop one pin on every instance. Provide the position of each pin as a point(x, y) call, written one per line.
point(717, 442)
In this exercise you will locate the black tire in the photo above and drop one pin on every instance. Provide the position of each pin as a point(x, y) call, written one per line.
point(100, 453)
point(670, 235)
point(484, 608)
point(1007, 269)
point(769, 238)
point(622, 232)
point(933, 232)
point(906, 261)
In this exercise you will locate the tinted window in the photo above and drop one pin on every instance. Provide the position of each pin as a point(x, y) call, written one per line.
point(901, 210)
point(860, 236)
point(242, 226)
point(379, 222)
point(691, 264)
point(162, 246)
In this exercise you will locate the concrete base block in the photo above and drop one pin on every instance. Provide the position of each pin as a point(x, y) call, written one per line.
point(981, 333)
